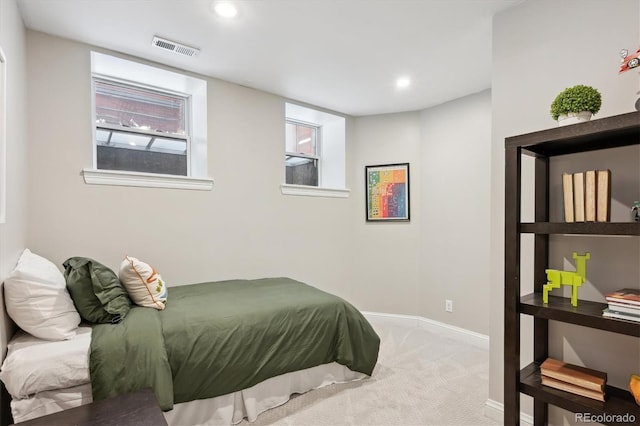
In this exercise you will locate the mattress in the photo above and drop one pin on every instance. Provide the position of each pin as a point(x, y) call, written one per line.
point(34, 365)
point(222, 410)
point(50, 401)
point(45, 377)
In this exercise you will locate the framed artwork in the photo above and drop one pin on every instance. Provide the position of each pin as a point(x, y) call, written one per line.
point(3, 136)
point(387, 192)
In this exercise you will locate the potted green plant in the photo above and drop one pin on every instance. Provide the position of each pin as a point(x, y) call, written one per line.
point(575, 104)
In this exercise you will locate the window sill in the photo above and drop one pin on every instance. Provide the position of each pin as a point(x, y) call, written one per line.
point(149, 180)
point(314, 191)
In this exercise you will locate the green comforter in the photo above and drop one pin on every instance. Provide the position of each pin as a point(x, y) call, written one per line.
point(220, 337)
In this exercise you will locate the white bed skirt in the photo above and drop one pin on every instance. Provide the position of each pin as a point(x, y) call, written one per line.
point(222, 410)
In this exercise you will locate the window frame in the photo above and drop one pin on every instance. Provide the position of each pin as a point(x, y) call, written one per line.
point(317, 158)
point(114, 68)
point(132, 130)
point(331, 152)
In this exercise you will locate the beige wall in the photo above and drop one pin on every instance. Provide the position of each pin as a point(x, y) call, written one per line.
point(454, 239)
point(13, 231)
point(413, 267)
point(385, 262)
point(244, 227)
point(539, 49)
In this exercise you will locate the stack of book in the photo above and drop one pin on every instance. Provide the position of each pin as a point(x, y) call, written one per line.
point(573, 378)
point(587, 196)
point(623, 304)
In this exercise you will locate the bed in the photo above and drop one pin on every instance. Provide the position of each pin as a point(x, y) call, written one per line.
point(218, 353)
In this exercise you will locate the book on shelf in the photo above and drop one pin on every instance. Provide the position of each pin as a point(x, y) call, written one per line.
point(578, 196)
point(567, 191)
point(603, 195)
point(569, 387)
point(629, 296)
point(608, 313)
point(581, 376)
point(590, 196)
point(625, 308)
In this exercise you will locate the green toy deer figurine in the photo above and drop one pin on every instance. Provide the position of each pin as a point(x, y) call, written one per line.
point(556, 278)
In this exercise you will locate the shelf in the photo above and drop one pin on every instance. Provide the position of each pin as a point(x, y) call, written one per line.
point(598, 134)
point(587, 313)
point(603, 133)
point(618, 401)
point(595, 228)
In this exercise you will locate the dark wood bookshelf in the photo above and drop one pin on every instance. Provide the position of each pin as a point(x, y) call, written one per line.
point(587, 313)
point(618, 402)
point(598, 134)
point(605, 133)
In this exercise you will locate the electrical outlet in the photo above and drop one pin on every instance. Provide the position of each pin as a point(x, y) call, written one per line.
point(448, 305)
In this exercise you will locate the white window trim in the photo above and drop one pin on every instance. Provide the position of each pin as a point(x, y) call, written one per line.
point(314, 191)
point(336, 185)
point(111, 67)
point(149, 180)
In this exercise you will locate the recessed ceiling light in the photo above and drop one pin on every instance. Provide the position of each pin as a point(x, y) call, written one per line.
point(403, 82)
point(225, 9)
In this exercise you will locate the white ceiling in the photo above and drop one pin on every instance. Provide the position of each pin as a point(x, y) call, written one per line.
point(344, 55)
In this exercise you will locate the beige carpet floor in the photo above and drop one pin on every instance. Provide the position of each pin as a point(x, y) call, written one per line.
point(422, 378)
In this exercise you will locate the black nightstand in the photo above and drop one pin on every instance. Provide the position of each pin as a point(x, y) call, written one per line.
point(138, 408)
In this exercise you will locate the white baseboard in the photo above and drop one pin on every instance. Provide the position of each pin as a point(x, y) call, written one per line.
point(476, 339)
point(495, 411)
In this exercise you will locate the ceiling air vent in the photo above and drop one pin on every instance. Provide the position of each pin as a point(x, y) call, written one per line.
point(174, 47)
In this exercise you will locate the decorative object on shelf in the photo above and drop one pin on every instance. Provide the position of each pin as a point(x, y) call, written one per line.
point(634, 387)
point(590, 195)
point(575, 104)
point(556, 278)
point(603, 195)
point(635, 211)
point(587, 196)
point(578, 196)
point(614, 313)
point(627, 63)
point(623, 304)
point(574, 378)
point(567, 193)
point(387, 192)
point(629, 296)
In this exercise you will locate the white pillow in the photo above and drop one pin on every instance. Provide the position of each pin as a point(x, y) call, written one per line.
point(34, 365)
point(143, 283)
point(37, 300)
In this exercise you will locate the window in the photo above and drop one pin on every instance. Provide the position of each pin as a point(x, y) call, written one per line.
point(150, 126)
point(314, 153)
point(140, 129)
point(301, 157)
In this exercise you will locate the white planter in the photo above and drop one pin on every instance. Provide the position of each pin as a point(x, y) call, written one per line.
point(574, 117)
